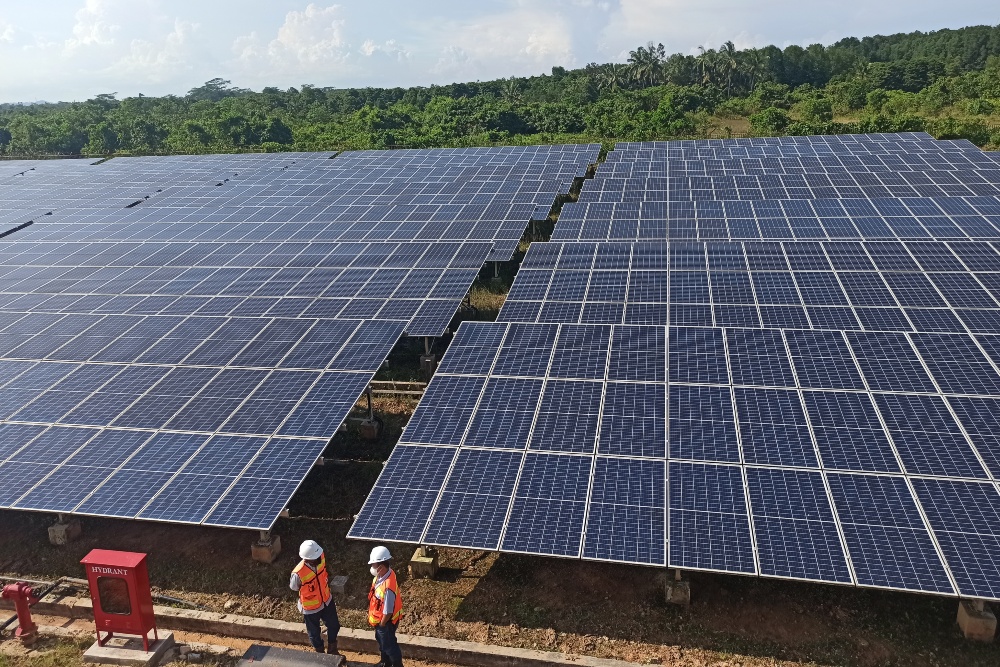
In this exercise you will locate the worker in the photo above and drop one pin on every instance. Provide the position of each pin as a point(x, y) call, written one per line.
point(385, 607)
point(311, 581)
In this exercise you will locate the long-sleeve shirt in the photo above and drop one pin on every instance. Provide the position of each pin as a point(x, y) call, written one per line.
point(295, 584)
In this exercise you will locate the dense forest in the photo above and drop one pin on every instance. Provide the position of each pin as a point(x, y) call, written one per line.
point(945, 82)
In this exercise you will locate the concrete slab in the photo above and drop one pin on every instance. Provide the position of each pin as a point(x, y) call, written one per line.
point(129, 651)
point(977, 624)
point(273, 656)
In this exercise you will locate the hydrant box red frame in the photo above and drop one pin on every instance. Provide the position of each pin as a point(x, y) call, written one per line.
point(119, 589)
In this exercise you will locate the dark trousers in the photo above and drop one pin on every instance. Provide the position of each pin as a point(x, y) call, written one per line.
point(385, 635)
point(328, 615)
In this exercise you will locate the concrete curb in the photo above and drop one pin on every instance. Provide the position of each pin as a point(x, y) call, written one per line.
point(430, 649)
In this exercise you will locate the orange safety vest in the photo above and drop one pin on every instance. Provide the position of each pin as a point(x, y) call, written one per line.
point(376, 600)
point(315, 589)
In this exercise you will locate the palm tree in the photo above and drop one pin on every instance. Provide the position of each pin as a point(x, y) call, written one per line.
point(729, 63)
point(612, 77)
point(511, 90)
point(706, 64)
point(646, 63)
point(754, 66)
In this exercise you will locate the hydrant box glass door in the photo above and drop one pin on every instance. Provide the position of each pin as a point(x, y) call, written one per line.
point(119, 589)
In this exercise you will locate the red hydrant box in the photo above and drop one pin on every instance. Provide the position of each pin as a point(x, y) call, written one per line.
point(119, 589)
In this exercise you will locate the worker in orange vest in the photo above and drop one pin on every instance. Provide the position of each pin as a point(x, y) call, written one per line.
point(385, 607)
point(312, 582)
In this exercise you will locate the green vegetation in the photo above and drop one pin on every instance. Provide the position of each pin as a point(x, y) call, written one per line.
point(945, 82)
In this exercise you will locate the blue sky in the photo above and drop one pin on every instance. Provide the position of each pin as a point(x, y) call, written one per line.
point(74, 49)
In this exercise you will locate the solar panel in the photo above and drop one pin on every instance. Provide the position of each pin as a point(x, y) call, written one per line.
point(795, 386)
point(182, 336)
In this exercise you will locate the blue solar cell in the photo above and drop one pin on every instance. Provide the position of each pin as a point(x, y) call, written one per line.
point(633, 421)
point(709, 523)
point(445, 410)
point(888, 543)
point(253, 503)
point(472, 510)
point(957, 364)
point(758, 358)
point(505, 413)
point(774, 429)
point(625, 520)
point(889, 362)
point(568, 417)
point(323, 409)
point(64, 489)
point(16, 479)
point(581, 352)
point(638, 354)
point(822, 360)
point(526, 351)
point(698, 356)
point(224, 455)
point(794, 526)
point(187, 498)
point(124, 494)
point(927, 437)
point(965, 518)
point(547, 515)
point(702, 424)
point(980, 417)
point(54, 445)
point(848, 432)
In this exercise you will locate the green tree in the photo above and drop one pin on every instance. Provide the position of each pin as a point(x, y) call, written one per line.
point(769, 121)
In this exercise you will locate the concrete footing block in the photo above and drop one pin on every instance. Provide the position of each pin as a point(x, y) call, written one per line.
point(63, 533)
point(122, 651)
point(338, 584)
point(266, 551)
point(977, 625)
point(679, 592)
point(424, 564)
point(370, 429)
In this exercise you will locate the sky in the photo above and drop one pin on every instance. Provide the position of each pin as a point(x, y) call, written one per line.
point(57, 50)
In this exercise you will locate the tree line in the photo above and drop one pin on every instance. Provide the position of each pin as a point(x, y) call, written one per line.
point(946, 82)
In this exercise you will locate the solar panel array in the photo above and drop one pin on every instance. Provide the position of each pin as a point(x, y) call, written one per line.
point(731, 395)
point(180, 337)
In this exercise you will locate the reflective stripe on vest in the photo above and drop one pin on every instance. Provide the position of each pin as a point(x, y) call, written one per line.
point(315, 589)
point(376, 600)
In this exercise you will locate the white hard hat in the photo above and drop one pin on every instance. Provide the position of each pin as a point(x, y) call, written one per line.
point(379, 555)
point(309, 550)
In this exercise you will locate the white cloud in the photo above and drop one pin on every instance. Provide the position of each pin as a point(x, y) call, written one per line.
point(309, 37)
point(310, 43)
point(93, 26)
point(500, 44)
point(389, 48)
point(158, 60)
point(7, 32)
